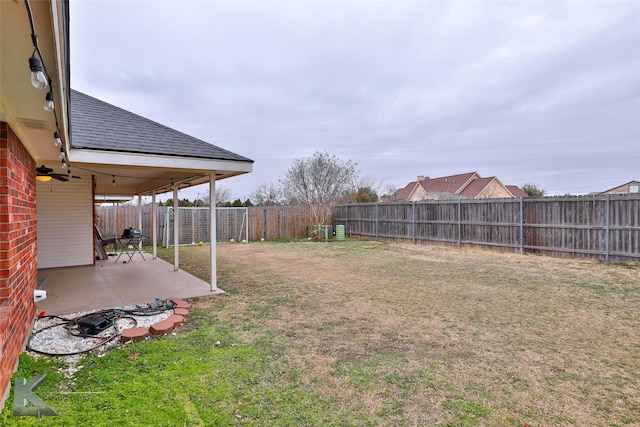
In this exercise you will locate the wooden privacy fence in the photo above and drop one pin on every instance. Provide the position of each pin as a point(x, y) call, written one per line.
point(269, 223)
point(277, 222)
point(600, 227)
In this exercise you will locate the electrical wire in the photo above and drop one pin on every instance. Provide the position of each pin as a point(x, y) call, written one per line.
point(136, 177)
point(112, 316)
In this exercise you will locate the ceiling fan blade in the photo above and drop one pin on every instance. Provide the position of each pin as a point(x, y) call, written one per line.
point(64, 175)
point(43, 170)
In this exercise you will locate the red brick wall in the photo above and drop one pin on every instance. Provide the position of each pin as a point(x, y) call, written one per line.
point(18, 266)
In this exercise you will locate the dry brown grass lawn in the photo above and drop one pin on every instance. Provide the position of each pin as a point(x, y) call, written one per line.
point(423, 335)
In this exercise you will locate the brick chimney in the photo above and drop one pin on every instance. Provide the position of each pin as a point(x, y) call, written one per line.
point(420, 178)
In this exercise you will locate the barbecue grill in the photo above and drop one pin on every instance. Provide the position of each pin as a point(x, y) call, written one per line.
point(132, 233)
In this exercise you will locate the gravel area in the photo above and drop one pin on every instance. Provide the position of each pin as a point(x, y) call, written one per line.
point(59, 336)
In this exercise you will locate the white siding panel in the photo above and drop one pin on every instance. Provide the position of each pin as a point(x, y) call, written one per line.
point(65, 223)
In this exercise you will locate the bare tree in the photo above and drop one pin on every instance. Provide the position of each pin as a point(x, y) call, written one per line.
point(319, 183)
point(223, 195)
point(267, 195)
point(389, 192)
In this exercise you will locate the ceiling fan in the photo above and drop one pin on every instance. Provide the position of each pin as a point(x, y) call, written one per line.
point(44, 173)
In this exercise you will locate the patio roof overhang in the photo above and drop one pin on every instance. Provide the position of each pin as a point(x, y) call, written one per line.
point(144, 174)
point(126, 154)
point(138, 155)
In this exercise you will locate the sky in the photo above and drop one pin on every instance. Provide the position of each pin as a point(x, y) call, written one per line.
point(541, 92)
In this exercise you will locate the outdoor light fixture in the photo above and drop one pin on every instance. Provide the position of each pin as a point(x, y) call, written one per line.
point(113, 180)
point(58, 141)
point(64, 164)
point(61, 156)
point(48, 105)
point(38, 79)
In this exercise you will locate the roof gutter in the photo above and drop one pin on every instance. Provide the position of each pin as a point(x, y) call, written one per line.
point(60, 22)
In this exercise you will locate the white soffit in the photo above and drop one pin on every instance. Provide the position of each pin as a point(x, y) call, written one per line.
point(152, 160)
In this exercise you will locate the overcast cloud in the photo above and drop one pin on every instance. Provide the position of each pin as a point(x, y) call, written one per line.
point(530, 92)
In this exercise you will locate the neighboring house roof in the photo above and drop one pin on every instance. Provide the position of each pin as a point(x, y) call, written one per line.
point(631, 187)
point(436, 188)
point(516, 191)
point(475, 187)
point(468, 185)
point(122, 131)
point(404, 193)
point(448, 184)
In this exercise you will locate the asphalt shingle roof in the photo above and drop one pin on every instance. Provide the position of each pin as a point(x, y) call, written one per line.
point(448, 184)
point(461, 186)
point(475, 187)
point(97, 125)
point(516, 191)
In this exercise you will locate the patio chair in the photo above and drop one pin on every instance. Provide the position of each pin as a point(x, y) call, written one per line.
point(101, 242)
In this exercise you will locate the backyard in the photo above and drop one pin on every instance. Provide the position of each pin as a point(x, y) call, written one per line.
point(365, 333)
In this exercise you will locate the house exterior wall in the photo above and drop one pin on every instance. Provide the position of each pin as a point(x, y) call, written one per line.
point(632, 187)
point(494, 190)
point(419, 194)
point(18, 274)
point(65, 223)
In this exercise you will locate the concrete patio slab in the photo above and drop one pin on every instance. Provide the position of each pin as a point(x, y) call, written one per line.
point(110, 284)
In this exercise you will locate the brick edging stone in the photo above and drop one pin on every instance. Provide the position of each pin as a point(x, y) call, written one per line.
point(163, 327)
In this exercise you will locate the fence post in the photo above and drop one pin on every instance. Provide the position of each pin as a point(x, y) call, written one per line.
point(264, 223)
point(413, 221)
point(295, 225)
point(246, 224)
point(521, 225)
point(459, 223)
point(607, 227)
point(166, 227)
point(346, 220)
point(377, 217)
